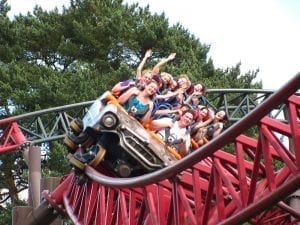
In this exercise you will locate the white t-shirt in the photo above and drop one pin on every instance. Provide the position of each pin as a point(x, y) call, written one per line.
point(177, 133)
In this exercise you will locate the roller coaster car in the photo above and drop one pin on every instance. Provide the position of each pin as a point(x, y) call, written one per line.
point(122, 142)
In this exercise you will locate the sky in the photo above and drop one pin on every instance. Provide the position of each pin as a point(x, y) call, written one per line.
point(260, 34)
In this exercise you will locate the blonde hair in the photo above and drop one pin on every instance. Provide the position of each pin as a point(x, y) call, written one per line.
point(185, 76)
point(164, 74)
point(146, 71)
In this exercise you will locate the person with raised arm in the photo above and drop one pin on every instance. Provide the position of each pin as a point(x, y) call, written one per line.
point(162, 62)
point(139, 69)
point(141, 79)
point(142, 76)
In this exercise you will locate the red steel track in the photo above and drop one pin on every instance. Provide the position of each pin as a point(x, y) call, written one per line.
point(210, 186)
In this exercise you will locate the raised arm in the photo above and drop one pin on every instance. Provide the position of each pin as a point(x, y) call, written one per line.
point(189, 99)
point(122, 86)
point(163, 62)
point(142, 63)
point(168, 95)
point(159, 124)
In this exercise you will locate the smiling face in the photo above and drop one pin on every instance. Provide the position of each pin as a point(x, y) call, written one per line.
point(183, 82)
point(186, 119)
point(203, 112)
point(151, 88)
point(198, 88)
point(220, 115)
point(166, 78)
point(146, 77)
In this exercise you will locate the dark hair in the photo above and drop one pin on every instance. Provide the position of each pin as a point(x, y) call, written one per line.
point(225, 118)
point(158, 80)
point(191, 111)
point(204, 89)
point(190, 90)
point(186, 106)
point(201, 107)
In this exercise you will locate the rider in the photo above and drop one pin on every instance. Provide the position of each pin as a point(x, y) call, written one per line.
point(141, 79)
point(175, 132)
point(139, 103)
point(142, 76)
point(213, 129)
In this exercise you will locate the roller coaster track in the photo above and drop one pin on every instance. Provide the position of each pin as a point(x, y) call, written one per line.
point(210, 186)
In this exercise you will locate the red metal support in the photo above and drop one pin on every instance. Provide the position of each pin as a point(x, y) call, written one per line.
point(11, 138)
point(294, 107)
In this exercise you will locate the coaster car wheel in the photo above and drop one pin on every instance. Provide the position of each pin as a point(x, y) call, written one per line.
point(76, 125)
point(75, 162)
point(71, 145)
point(99, 156)
point(87, 143)
point(72, 141)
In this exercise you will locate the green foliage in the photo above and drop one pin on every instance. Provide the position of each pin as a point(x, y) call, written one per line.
point(56, 164)
point(7, 41)
point(13, 180)
point(232, 78)
point(6, 212)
